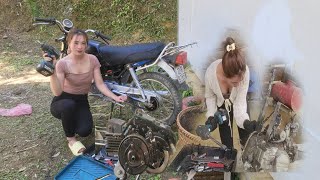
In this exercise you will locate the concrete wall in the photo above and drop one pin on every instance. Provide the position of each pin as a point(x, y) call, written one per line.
point(269, 31)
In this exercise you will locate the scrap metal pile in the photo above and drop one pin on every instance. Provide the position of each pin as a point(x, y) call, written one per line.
point(271, 148)
point(204, 159)
point(142, 146)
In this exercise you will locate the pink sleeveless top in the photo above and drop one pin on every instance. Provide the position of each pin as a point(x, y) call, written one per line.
point(77, 83)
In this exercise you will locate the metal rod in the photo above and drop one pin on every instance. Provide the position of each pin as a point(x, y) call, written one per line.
point(224, 147)
point(136, 80)
point(263, 111)
point(166, 51)
point(103, 177)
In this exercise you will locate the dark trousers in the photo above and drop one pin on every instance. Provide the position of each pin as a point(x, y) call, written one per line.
point(225, 133)
point(74, 112)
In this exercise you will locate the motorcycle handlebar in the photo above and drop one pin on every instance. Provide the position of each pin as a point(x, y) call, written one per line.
point(103, 36)
point(48, 20)
point(99, 34)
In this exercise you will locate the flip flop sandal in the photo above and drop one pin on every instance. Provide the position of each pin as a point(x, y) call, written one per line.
point(76, 147)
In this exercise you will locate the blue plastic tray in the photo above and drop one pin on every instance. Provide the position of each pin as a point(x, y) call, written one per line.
point(84, 168)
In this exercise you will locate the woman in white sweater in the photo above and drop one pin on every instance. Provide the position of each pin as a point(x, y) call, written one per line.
point(227, 82)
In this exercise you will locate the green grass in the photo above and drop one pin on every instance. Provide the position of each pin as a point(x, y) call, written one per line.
point(12, 175)
point(16, 62)
point(187, 93)
point(127, 21)
point(34, 8)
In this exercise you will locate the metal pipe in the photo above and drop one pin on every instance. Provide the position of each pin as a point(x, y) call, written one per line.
point(136, 80)
point(158, 58)
point(263, 111)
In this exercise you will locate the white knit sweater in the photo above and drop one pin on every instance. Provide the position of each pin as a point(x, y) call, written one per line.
point(214, 97)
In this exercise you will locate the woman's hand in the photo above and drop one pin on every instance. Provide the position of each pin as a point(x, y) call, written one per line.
point(49, 58)
point(121, 98)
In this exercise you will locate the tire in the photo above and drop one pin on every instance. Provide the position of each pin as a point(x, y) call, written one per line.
point(162, 114)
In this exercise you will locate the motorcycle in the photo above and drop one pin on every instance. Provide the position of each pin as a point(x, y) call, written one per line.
point(130, 70)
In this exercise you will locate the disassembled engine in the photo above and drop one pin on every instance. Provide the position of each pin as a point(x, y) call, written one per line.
point(272, 149)
point(145, 146)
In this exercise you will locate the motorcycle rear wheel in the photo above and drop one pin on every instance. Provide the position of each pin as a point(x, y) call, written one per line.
point(167, 111)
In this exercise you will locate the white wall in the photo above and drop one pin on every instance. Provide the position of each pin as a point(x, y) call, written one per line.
point(273, 30)
point(267, 29)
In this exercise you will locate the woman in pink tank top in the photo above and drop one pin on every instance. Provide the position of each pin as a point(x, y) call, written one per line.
point(70, 84)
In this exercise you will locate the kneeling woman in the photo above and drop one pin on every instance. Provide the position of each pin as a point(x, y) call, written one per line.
point(70, 84)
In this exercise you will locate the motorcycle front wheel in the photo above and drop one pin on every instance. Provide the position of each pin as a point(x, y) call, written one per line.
point(166, 110)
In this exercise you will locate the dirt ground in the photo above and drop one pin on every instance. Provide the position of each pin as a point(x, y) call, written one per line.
point(31, 146)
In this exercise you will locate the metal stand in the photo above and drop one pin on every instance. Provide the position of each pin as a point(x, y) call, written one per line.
point(227, 176)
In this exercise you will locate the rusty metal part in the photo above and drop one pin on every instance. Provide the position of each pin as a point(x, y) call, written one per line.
point(162, 166)
point(134, 154)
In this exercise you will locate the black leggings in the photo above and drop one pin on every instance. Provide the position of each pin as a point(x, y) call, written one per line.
point(225, 133)
point(74, 111)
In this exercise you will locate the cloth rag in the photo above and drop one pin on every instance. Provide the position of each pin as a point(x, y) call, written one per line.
point(19, 110)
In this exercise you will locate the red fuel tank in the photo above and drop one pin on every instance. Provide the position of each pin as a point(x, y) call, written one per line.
point(288, 94)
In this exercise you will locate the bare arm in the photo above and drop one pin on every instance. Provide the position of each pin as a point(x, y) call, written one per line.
point(56, 83)
point(104, 89)
point(57, 78)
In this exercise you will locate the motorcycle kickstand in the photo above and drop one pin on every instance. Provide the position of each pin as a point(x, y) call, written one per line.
point(112, 108)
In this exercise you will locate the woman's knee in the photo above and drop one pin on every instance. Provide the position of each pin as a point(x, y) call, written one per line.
point(84, 127)
point(84, 121)
point(84, 131)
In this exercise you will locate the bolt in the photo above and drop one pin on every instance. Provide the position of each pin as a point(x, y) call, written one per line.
point(119, 172)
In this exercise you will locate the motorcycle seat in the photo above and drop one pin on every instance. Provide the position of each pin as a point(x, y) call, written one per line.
point(118, 55)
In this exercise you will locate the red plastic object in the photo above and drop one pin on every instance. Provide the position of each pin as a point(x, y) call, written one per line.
point(215, 165)
point(288, 94)
point(191, 101)
point(109, 162)
point(181, 58)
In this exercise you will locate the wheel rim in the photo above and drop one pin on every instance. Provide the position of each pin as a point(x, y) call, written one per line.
point(164, 108)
